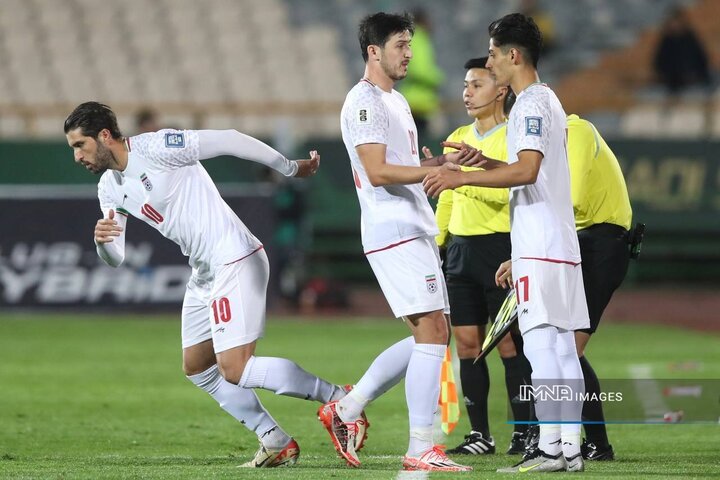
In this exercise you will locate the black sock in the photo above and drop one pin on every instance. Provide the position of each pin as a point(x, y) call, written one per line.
point(516, 375)
point(592, 410)
point(475, 381)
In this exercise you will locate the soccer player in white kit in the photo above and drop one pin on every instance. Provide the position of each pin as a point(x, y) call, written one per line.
point(545, 253)
point(158, 179)
point(398, 230)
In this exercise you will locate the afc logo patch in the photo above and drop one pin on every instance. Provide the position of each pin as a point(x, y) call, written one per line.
point(431, 283)
point(533, 126)
point(364, 116)
point(175, 140)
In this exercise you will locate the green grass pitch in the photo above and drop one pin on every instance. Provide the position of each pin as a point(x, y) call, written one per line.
point(87, 397)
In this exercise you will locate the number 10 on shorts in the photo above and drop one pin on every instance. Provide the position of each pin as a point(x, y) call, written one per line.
point(221, 310)
point(523, 294)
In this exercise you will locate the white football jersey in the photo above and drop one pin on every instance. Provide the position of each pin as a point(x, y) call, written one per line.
point(165, 186)
point(542, 223)
point(390, 213)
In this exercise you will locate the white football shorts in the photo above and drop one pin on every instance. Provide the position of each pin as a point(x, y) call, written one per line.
point(410, 276)
point(231, 308)
point(549, 292)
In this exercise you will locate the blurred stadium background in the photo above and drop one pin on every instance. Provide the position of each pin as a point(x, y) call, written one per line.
point(279, 70)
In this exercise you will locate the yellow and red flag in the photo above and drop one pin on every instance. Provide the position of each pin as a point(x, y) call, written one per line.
point(449, 408)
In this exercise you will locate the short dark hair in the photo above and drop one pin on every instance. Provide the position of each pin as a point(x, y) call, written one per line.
point(92, 118)
point(377, 28)
point(479, 62)
point(520, 31)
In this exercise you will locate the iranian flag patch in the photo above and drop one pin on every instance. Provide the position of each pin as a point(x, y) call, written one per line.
point(431, 283)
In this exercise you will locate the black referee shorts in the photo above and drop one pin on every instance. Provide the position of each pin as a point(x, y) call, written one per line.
point(471, 265)
point(605, 257)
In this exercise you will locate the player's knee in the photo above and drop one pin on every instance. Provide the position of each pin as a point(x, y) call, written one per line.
point(467, 346)
point(232, 372)
point(197, 359)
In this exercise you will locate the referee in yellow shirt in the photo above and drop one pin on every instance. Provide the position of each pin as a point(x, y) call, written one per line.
point(474, 227)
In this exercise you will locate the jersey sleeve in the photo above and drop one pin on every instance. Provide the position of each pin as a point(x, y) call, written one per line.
point(169, 149)
point(532, 126)
point(112, 253)
point(214, 143)
point(367, 119)
point(442, 217)
point(582, 148)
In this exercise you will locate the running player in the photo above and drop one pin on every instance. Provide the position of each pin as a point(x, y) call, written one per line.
point(474, 225)
point(158, 179)
point(398, 230)
point(545, 251)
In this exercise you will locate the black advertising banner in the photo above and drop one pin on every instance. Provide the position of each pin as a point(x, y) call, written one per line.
point(48, 258)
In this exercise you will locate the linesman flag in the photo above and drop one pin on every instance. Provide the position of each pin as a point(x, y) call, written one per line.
point(449, 408)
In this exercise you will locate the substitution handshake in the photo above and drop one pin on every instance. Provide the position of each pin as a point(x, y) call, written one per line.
point(449, 176)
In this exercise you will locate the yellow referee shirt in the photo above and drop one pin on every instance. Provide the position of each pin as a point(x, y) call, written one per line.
point(599, 193)
point(475, 210)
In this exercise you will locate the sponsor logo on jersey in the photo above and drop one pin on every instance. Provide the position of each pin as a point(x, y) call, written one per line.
point(533, 126)
point(364, 116)
point(146, 182)
point(431, 283)
point(175, 140)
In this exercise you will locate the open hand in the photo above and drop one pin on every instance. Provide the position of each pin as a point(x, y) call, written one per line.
point(308, 168)
point(465, 154)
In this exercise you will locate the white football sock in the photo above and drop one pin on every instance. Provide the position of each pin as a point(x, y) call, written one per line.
point(285, 377)
point(540, 347)
point(421, 440)
point(422, 390)
point(572, 376)
point(243, 404)
point(385, 372)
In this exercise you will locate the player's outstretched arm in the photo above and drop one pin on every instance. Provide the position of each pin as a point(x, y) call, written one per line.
point(522, 172)
point(379, 172)
point(215, 143)
point(110, 238)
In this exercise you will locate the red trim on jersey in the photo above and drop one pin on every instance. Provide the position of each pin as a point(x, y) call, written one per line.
point(243, 258)
point(390, 246)
point(151, 213)
point(358, 184)
point(552, 260)
point(127, 143)
point(366, 80)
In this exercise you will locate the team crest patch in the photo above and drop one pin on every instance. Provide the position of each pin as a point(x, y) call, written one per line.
point(533, 126)
point(175, 140)
point(364, 116)
point(431, 283)
point(146, 182)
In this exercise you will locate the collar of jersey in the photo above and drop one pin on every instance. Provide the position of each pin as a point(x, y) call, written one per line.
point(488, 133)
